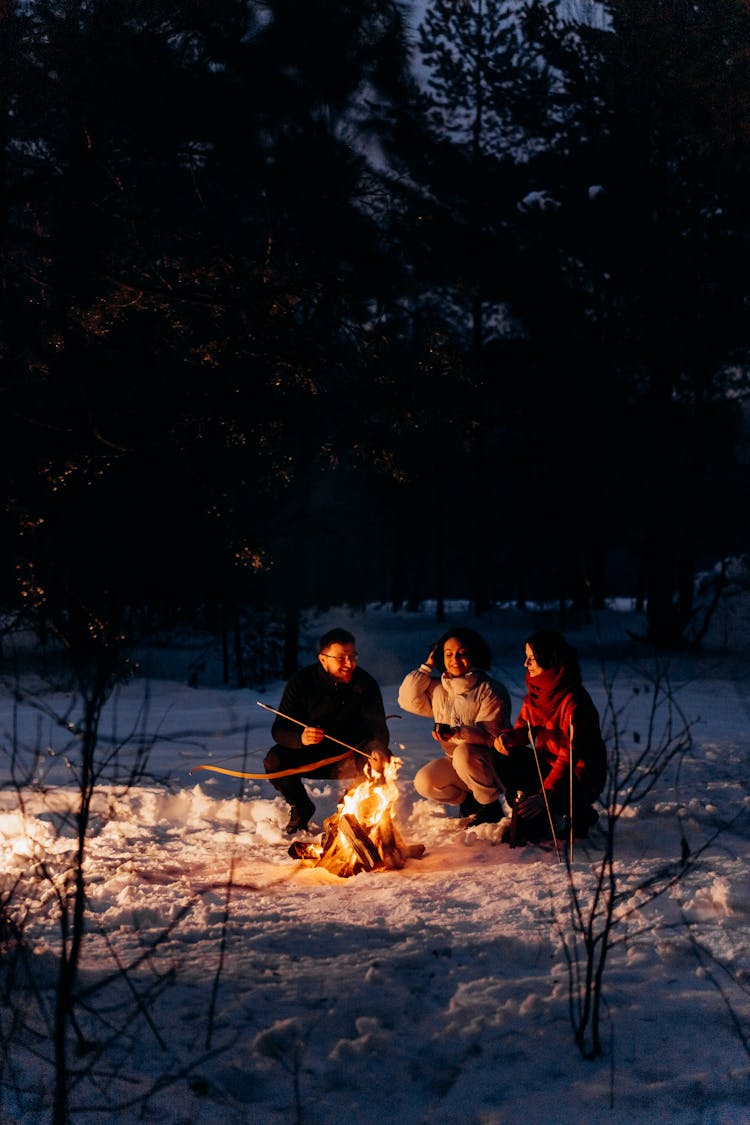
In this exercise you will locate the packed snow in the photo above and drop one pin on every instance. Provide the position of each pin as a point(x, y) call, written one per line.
point(223, 981)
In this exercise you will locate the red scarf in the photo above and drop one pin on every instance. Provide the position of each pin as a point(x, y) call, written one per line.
point(547, 691)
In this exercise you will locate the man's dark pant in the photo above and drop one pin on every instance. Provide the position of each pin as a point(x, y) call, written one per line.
point(280, 758)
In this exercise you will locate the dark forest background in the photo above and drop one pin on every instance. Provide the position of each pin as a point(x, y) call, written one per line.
point(324, 303)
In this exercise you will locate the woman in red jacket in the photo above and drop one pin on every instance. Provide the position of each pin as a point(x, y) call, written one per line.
point(559, 715)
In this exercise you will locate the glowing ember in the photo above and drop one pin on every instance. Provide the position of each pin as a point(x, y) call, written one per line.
point(361, 835)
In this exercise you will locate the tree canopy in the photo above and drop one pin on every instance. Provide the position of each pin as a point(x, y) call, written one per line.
point(271, 304)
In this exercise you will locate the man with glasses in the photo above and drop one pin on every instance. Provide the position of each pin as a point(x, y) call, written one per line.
point(331, 699)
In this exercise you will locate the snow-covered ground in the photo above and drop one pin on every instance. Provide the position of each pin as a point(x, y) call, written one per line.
point(223, 982)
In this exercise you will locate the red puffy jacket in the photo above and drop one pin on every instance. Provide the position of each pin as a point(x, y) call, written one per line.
point(561, 713)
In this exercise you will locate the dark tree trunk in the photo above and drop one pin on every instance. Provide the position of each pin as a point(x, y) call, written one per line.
point(291, 640)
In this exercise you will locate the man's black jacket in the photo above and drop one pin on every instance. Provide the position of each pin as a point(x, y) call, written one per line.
point(352, 713)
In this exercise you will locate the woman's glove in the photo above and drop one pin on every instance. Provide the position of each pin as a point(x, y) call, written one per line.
point(510, 739)
point(531, 806)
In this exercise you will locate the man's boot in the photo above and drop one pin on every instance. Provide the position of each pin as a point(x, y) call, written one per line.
point(300, 815)
point(294, 793)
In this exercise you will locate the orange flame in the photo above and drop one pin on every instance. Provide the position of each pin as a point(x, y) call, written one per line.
point(362, 835)
point(375, 795)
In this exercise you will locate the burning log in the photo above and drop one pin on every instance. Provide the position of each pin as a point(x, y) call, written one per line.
point(361, 835)
point(389, 842)
point(367, 854)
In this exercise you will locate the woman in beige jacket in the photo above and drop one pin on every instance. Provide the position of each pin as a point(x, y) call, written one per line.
point(469, 709)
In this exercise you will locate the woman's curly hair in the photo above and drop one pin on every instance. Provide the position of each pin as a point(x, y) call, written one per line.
point(476, 645)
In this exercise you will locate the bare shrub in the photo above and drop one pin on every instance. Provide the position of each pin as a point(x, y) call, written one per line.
point(606, 910)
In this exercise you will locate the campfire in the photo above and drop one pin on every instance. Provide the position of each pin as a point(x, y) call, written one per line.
point(362, 835)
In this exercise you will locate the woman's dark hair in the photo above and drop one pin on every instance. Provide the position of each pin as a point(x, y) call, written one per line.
point(551, 650)
point(481, 657)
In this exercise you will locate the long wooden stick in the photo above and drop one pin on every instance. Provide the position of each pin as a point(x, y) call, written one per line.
point(269, 776)
point(544, 793)
point(570, 823)
point(301, 724)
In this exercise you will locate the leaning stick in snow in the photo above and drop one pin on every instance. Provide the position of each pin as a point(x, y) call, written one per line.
point(300, 724)
point(570, 767)
point(544, 792)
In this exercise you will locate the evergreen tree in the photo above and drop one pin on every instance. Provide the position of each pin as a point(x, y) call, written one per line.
point(652, 112)
point(459, 153)
point(187, 261)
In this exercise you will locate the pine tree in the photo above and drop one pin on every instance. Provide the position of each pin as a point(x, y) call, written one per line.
point(187, 263)
point(653, 110)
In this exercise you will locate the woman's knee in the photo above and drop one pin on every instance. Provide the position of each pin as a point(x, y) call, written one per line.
point(438, 781)
point(422, 782)
point(470, 760)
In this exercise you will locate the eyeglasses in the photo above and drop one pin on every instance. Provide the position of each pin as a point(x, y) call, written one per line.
point(350, 658)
